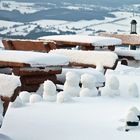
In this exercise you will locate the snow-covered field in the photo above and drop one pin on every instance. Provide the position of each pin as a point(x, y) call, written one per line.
point(119, 24)
point(84, 119)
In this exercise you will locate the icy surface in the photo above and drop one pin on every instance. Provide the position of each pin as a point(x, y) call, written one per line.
point(94, 40)
point(8, 83)
point(70, 121)
point(105, 58)
point(35, 59)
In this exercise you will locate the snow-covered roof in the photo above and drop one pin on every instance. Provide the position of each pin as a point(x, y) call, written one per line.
point(132, 53)
point(8, 83)
point(105, 58)
point(94, 40)
point(34, 59)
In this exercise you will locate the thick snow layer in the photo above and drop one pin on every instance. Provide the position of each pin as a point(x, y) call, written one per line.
point(105, 58)
point(88, 81)
point(8, 83)
point(94, 40)
point(35, 59)
point(17, 103)
point(34, 98)
point(100, 78)
point(63, 97)
point(135, 110)
point(132, 117)
point(85, 119)
point(132, 53)
point(133, 90)
point(86, 92)
point(24, 96)
point(71, 85)
point(49, 93)
point(127, 76)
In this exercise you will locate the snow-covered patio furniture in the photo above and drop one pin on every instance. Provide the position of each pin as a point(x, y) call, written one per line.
point(131, 56)
point(130, 39)
point(28, 45)
point(99, 76)
point(33, 67)
point(85, 42)
point(9, 88)
point(81, 58)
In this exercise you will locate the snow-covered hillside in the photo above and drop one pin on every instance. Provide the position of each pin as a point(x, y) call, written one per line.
point(115, 20)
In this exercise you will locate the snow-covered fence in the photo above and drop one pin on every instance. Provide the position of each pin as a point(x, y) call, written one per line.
point(89, 58)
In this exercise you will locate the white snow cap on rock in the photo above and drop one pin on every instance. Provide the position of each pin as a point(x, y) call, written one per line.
point(131, 117)
point(34, 98)
point(71, 85)
point(49, 93)
point(24, 96)
point(133, 90)
point(17, 103)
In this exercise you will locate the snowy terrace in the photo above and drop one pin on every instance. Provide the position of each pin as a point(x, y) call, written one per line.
point(76, 113)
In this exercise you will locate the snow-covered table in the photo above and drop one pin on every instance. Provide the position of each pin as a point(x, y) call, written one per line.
point(84, 119)
point(33, 67)
point(87, 42)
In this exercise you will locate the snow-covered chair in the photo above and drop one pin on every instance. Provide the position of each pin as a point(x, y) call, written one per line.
point(9, 89)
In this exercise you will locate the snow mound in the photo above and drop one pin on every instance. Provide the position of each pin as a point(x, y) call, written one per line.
point(135, 110)
point(111, 88)
point(17, 103)
point(71, 85)
point(63, 97)
point(133, 90)
point(40, 90)
point(49, 93)
point(86, 92)
point(131, 117)
point(34, 98)
point(88, 81)
point(24, 96)
point(8, 83)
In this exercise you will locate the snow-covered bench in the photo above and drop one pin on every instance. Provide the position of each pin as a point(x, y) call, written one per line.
point(28, 45)
point(33, 67)
point(107, 59)
point(85, 42)
point(9, 88)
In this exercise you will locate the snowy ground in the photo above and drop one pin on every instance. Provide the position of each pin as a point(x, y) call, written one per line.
point(84, 119)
